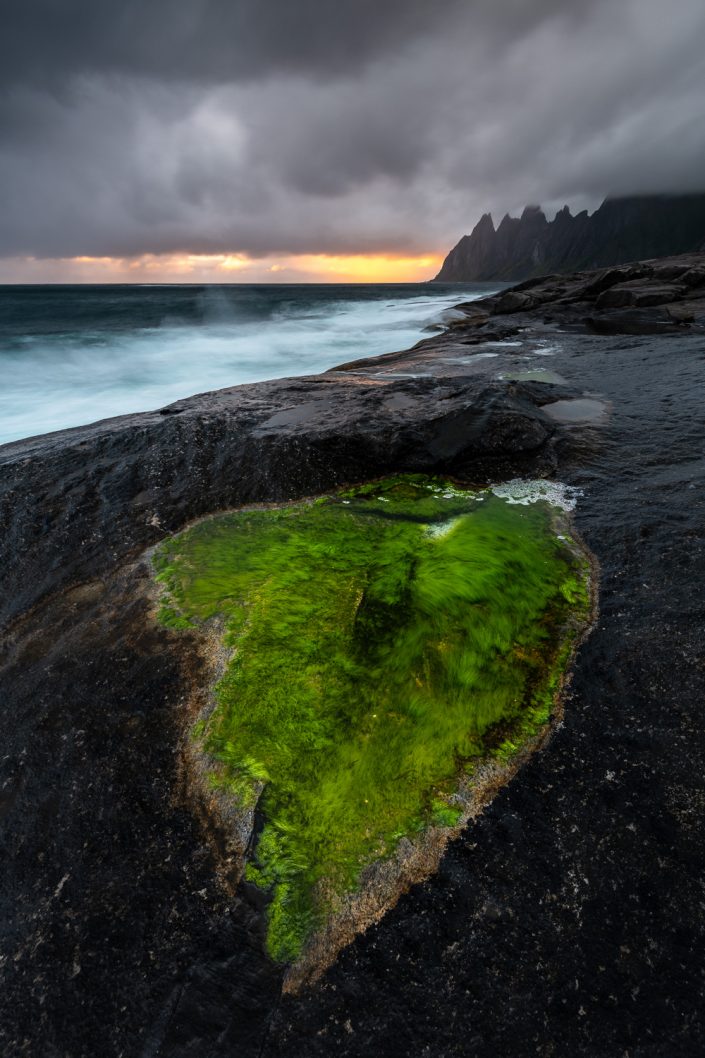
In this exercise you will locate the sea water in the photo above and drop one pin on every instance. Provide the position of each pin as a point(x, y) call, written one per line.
point(70, 355)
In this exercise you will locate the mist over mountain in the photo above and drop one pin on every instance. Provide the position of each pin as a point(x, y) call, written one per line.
point(621, 230)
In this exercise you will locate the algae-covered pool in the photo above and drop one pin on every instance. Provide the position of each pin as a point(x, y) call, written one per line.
point(383, 641)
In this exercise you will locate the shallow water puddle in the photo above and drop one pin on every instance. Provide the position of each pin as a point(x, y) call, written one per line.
point(385, 643)
point(581, 410)
point(297, 414)
point(537, 374)
point(465, 359)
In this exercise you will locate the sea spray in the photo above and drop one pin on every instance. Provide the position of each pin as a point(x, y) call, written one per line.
point(71, 356)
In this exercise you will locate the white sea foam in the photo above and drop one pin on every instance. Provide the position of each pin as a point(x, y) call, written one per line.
point(54, 380)
point(440, 529)
point(519, 491)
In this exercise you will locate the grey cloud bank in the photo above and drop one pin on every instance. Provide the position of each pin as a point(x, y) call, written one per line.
point(266, 128)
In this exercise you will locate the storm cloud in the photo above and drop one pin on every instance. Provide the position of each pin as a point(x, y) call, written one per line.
point(278, 127)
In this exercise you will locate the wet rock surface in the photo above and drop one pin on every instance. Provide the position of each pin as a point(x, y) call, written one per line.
point(568, 920)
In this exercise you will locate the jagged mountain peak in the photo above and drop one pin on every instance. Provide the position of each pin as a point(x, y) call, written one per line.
point(485, 222)
point(507, 222)
point(621, 230)
point(532, 211)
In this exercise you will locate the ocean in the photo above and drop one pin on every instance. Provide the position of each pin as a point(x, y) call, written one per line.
point(70, 355)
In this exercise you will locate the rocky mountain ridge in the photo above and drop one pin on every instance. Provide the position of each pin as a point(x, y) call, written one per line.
point(621, 230)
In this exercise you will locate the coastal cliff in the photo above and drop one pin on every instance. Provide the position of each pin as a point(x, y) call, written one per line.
point(621, 230)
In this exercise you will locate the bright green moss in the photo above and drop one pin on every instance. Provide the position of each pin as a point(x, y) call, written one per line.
point(385, 639)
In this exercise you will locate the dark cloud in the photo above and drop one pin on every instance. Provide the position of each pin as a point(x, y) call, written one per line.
point(338, 127)
point(209, 40)
point(233, 40)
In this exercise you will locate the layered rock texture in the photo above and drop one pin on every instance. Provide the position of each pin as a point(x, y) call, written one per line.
point(621, 230)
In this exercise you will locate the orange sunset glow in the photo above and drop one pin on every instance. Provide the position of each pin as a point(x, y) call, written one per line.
point(222, 268)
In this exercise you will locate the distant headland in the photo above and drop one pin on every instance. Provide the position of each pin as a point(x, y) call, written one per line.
point(621, 230)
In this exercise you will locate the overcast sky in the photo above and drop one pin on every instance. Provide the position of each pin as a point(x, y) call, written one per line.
point(271, 128)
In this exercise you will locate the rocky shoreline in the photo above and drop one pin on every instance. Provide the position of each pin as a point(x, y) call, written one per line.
point(566, 918)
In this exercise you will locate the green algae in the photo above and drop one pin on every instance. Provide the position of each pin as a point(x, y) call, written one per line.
point(384, 640)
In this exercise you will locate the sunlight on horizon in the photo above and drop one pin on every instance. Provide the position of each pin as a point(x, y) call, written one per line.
point(222, 268)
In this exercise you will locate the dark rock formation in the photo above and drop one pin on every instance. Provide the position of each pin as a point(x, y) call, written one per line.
point(647, 297)
point(621, 230)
